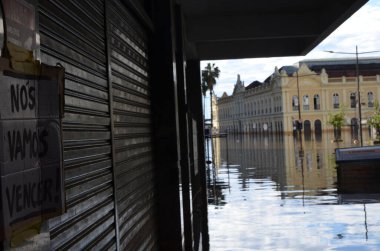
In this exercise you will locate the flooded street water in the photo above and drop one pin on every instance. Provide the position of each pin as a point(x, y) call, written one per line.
point(280, 193)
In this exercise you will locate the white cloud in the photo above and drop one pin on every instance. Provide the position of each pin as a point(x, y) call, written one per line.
point(362, 29)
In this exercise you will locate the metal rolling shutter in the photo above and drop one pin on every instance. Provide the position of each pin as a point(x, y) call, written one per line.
point(73, 34)
point(132, 130)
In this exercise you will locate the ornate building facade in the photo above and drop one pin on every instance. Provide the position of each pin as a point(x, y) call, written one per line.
point(308, 93)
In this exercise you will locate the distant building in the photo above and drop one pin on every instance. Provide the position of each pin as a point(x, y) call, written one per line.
point(325, 86)
point(215, 119)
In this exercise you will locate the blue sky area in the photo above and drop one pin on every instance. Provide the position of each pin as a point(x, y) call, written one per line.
point(361, 29)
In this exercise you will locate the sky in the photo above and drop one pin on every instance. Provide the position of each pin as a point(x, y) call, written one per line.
point(362, 29)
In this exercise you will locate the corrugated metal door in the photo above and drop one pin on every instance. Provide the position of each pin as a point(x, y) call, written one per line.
point(73, 34)
point(135, 184)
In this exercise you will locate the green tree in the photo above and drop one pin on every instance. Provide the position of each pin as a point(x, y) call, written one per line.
point(374, 120)
point(337, 121)
point(209, 76)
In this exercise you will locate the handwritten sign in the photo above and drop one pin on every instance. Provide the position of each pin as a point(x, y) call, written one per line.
point(31, 150)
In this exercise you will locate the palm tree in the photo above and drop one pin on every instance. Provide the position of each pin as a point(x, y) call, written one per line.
point(209, 76)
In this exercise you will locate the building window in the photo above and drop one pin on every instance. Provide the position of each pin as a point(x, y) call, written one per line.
point(336, 100)
point(295, 103)
point(352, 100)
point(370, 99)
point(317, 102)
point(306, 102)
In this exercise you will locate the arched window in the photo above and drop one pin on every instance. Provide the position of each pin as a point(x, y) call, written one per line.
point(270, 106)
point(266, 106)
point(370, 99)
point(306, 102)
point(307, 126)
point(355, 128)
point(317, 102)
point(318, 128)
point(295, 103)
point(352, 100)
point(336, 100)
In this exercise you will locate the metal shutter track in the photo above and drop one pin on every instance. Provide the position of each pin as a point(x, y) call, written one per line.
point(72, 34)
point(132, 131)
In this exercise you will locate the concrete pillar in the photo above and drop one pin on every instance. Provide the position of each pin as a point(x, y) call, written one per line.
point(200, 217)
point(166, 126)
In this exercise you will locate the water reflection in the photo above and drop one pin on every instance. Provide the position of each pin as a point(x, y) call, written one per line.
point(279, 193)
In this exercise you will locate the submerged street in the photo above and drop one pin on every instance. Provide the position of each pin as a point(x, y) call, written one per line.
point(280, 193)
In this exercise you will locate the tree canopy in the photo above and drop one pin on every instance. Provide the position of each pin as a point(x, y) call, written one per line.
point(374, 120)
point(209, 76)
point(337, 120)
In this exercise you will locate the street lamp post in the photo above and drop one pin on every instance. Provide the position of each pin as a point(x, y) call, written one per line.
point(299, 125)
point(358, 85)
point(360, 104)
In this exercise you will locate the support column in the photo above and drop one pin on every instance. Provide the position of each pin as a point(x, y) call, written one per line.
point(183, 131)
point(200, 217)
point(166, 125)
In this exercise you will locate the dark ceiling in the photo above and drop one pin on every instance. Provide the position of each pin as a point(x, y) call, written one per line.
point(231, 29)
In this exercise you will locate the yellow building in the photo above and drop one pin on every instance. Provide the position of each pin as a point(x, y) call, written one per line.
point(308, 93)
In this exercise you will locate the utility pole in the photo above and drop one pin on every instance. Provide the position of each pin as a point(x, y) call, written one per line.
point(299, 124)
point(358, 91)
point(358, 85)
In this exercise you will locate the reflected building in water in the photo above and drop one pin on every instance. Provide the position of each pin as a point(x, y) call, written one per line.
point(310, 165)
point(298, 166)
point(281, 193)
point(215, 186)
